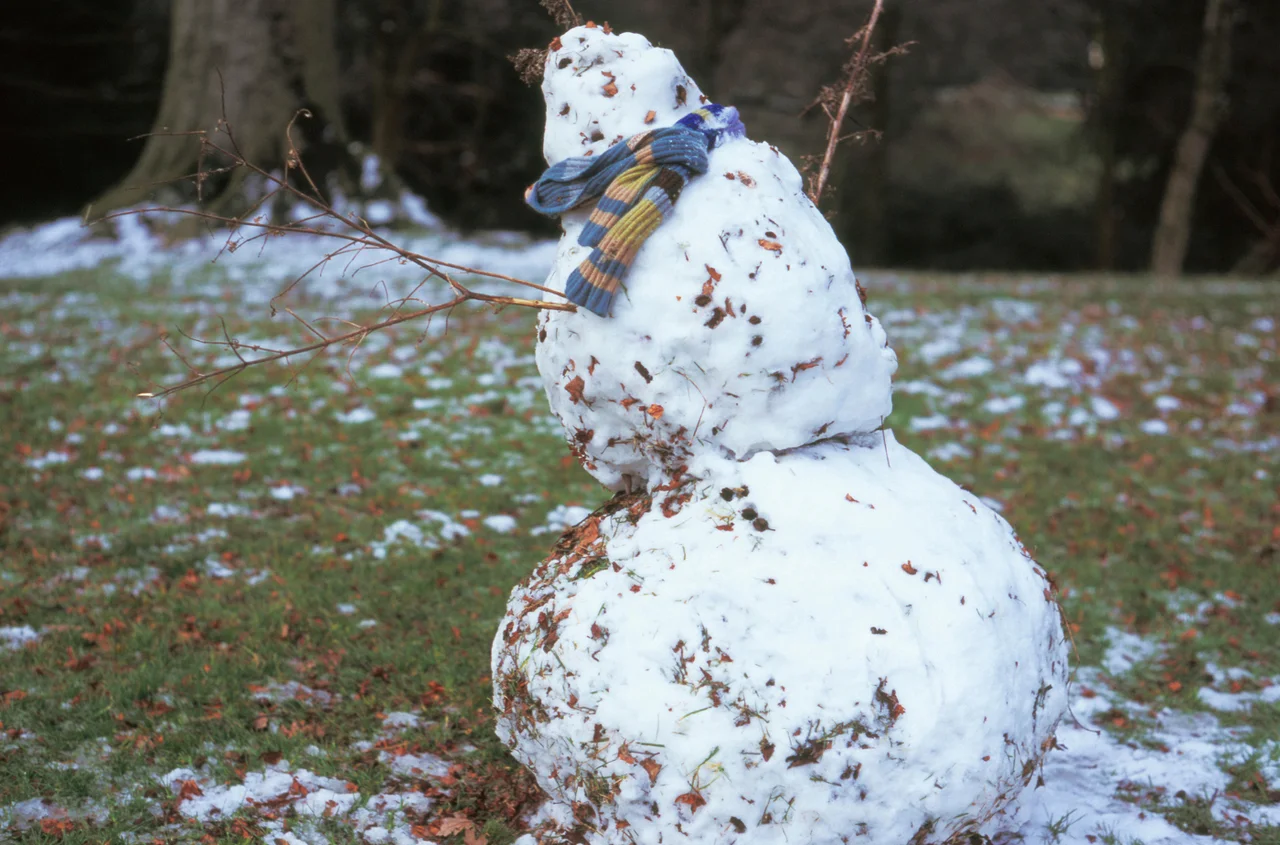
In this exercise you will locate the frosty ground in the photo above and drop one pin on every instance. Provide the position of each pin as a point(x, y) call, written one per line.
point(265, 613)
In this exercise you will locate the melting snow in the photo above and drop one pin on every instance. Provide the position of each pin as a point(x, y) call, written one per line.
point(16, 637)
point(501, 523)
point(356, 415)
point(217, 456)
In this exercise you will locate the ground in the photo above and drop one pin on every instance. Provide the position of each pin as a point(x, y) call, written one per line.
point(265, 612)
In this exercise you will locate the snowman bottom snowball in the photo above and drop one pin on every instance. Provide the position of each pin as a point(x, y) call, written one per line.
point(829, 646)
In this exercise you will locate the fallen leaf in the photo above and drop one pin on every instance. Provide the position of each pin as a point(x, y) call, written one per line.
point(453, 825)
point(772, 246)
point(692, 799)
point(574, 389)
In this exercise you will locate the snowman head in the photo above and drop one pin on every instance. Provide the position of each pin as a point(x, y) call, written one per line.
point(602, 87)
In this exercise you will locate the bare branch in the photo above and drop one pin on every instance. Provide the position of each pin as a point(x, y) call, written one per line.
point(836, 100)
point(355, 237)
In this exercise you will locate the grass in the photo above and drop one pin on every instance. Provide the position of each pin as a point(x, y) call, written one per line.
point(181, 567)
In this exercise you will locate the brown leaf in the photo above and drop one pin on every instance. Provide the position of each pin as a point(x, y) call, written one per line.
point(654, 411)
point(188, 789)
point(649, 118)
point(260, 723)
point(471, 837)
point(746, 179)
point(651, 766)
point(271, 757)
point(574, 389)
point(772, 246)
point(692, 799)
point(909, 569)
point(453, 825)
point(611, 88)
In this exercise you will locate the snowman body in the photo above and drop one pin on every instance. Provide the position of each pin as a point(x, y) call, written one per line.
point(794, 630)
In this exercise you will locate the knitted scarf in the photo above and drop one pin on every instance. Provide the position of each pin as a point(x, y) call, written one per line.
point(638, 181)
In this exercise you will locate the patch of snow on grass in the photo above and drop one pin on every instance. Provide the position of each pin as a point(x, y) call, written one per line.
point(949, 452)
point(1056, 374)
point(1126, 650)
point(968, 368)
point(217, 457)
point(500, 523)
point(1154, 427)
point(562, 517)
point(226, 511)
point(450, 529)
point(929, 423)
point(1003, 404)
point(386, 370)
point(17, 636)
point(356, 416)
point(47, 459)
point(1104, 409)
point(401, 530)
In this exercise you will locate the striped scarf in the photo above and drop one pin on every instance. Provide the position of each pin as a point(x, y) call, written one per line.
point(638, 181)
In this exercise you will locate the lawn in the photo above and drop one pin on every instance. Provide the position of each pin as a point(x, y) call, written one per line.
point(265, 612)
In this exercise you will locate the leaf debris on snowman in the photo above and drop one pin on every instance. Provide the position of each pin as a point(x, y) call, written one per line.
point(727, 651)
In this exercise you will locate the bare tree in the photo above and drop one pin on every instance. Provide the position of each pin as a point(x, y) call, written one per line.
point(1169, 247)
point(245, 61)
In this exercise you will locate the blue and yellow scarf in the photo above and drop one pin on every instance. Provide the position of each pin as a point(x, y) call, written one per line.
point(638, 181)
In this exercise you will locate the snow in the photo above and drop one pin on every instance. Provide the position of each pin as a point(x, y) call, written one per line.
point(1103, 408)
point(17, 636)
point(802, 633)
point(501, 523)
point(400, 530)
point(48, 459)
point(489, 480)
point(1054, 373)
point(307, 794)
point(1003, 404)
point(929, 423)
point(217, 457)
point(968, 368)
point(562, 517)
point(1154, 427)
point(696, 595)
point(356, 416)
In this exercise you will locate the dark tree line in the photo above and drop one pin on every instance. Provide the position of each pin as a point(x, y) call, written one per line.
point(1058, 135)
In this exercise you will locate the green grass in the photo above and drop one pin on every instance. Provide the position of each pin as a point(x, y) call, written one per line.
point(147, 663)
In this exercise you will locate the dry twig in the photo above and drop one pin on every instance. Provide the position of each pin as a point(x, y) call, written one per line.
point(855, 87)
point(356, 238)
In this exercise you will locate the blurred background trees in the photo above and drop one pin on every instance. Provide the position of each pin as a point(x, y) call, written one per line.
point(1016, 135)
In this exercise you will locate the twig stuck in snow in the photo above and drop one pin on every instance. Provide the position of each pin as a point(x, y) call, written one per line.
point(854, 87)
point(356, 237)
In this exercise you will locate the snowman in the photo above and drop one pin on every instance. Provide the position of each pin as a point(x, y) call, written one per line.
point(784, 627)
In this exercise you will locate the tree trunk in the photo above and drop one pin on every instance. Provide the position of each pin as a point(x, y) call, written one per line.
point(1169, 247)
point(244, 64)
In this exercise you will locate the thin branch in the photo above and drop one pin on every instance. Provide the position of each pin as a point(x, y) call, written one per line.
point(355, 237)
point(855, 80)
